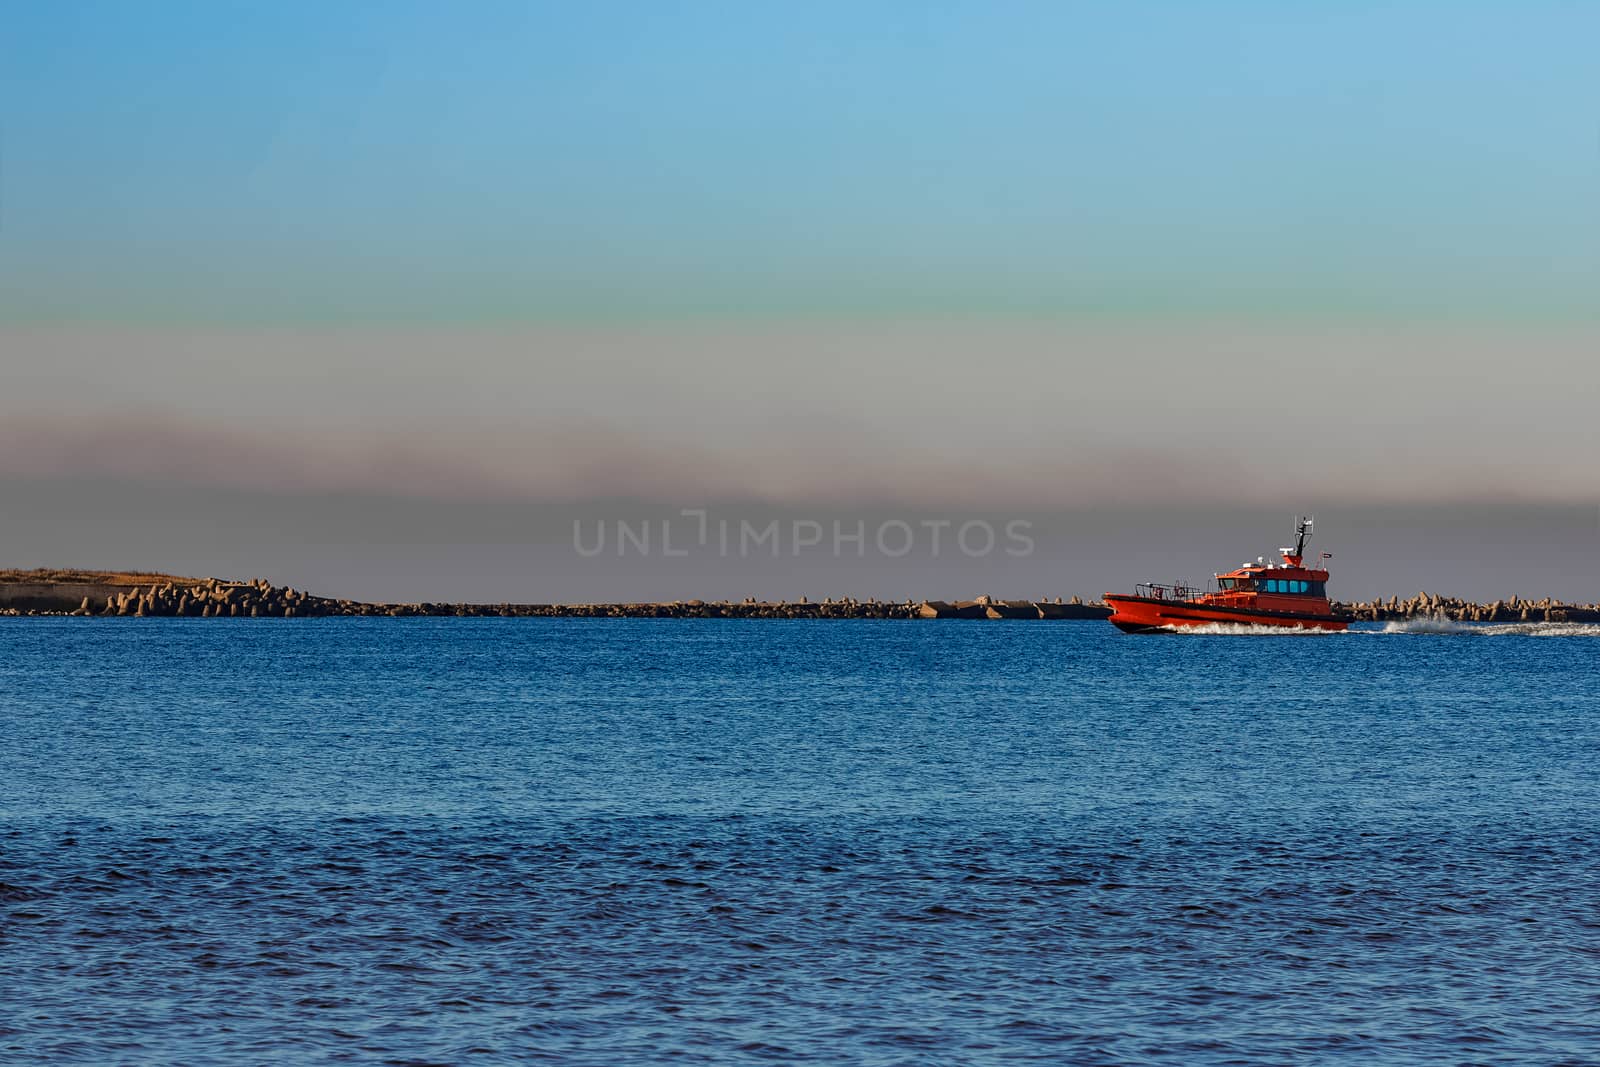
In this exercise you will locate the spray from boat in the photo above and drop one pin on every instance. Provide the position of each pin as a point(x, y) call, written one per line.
point(1430, 626)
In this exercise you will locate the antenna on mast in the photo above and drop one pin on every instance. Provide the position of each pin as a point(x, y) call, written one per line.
point(1295, 556)
point(1302, 530)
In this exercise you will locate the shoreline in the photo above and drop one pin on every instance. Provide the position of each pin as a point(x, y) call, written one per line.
point(215, 598)
point(136, 594)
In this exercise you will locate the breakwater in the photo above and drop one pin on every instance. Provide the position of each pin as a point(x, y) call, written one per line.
point(110, 594)
point(259, 598)
point(1432, 605)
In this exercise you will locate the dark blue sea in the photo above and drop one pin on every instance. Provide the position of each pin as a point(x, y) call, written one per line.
point(715, 841)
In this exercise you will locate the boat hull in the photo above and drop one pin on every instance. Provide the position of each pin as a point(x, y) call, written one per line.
point(1141, 614)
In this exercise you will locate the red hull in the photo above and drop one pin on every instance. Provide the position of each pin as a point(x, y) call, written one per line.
point(1141, 614)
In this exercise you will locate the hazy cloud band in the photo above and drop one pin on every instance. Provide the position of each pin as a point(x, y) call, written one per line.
point(993, 415)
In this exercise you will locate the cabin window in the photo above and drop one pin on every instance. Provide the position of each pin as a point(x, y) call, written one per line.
point(1287, 585)
point(1291, 585)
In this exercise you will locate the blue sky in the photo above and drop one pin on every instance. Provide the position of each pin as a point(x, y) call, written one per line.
point(981, 258)
point(396, 162)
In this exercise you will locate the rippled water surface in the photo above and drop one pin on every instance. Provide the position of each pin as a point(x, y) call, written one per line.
point(625, 842)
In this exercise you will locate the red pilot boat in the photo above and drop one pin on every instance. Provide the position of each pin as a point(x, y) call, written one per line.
point(1287, 594)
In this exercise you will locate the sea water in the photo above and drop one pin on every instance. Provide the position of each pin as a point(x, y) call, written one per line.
point(718, 841)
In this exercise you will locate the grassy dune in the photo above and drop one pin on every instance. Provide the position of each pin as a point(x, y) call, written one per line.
point(73, 576)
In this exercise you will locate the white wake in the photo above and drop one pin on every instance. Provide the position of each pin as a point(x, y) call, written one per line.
point(1438, 625)
point(1241, 629)
point(1426, 626)
point(1430, 624)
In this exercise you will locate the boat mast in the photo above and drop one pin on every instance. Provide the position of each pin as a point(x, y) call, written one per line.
point(1302, 532)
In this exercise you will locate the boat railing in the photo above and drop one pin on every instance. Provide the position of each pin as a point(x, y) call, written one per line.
point(1175, 590)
